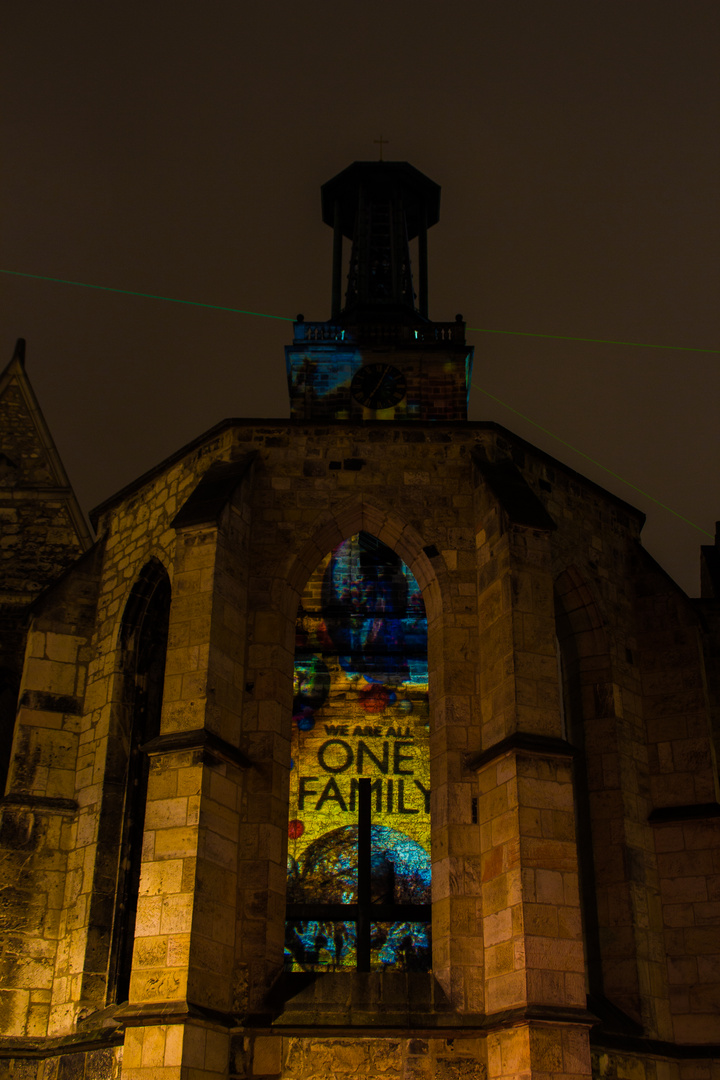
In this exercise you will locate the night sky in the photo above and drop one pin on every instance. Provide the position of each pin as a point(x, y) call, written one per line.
point(178, 148)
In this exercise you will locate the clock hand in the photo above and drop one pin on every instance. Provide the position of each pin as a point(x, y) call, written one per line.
point(378, 384)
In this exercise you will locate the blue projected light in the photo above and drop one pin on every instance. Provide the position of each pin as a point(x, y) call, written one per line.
point(328, 867)
point(360, 711)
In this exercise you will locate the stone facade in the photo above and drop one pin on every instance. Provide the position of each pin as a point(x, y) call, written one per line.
point(573, 698)
point(573, 804)
point(42, 529)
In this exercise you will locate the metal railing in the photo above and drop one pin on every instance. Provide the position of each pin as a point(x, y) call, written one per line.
point(382, 333)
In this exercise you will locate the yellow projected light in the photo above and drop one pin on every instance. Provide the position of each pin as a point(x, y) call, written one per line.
point(360, 711)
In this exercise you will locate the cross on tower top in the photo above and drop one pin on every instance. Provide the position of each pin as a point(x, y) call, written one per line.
point(382, 142)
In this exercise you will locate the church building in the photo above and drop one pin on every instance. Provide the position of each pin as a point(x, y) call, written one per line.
point(365, 743)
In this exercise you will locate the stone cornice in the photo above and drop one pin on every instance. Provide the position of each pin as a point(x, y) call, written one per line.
point(694, 812)
point(524, 743)
point(213, 492)
point(140, 1014)
point(13, 1046)
point(197, 739)
point(638, 1044)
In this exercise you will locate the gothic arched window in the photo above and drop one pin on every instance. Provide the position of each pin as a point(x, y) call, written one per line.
point(144, 642)
point(359, 825)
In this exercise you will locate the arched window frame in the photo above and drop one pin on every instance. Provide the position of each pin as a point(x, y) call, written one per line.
point(143, 644)
point(365, 909)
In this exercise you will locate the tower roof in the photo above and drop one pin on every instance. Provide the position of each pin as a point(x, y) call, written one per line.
point(419, 193)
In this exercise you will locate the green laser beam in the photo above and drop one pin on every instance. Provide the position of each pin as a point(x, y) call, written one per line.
point(596, 341)
point(587, 457)
point(148, 296)
point(473, 329)
point(286, 318)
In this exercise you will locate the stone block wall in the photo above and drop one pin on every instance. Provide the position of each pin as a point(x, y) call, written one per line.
point(43, 866)
point(614, 1064)
point(175, 1051)
point(679, 736)
point(531, 907)
point(396, 1057)
point(42, 529)
point(604, 719)
point(538, 1049)
point(688, 856)
point(513, 736)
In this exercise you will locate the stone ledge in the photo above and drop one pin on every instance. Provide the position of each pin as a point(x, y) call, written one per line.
point(212, 493)
point(368, 991)
point(352, 1024)
point(525, 743)
point(514, 494)
point(474, 1026)
point(636, 1044)
point(48, 1046)
point(197, 739)
point(539, 1014)
point(395, 1000)
point(378, 1030)
point(434, 1024)
point(42, 803)
point(146, 1014)
point(693, 812)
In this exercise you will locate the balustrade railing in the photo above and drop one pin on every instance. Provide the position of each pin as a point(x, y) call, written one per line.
point(382, 333)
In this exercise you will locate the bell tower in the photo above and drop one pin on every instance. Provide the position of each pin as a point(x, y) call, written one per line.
point(379, 357)
point(380, 206)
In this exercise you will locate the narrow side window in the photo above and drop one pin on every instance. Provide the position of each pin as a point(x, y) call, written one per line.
point(144, 641)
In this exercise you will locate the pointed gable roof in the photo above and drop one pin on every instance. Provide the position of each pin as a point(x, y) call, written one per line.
point(36, 498)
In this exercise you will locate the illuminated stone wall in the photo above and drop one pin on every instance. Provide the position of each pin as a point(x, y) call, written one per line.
point(42, 530)
point(269, 600)
point(320, 376)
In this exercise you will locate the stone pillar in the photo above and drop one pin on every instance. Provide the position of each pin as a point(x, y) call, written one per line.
point(175, 1051)
point(186, 918)
point(184, 933)
point(534, 958)
point(455, 730)
point(560, 1050)
point(604, 713)
point(47, 834)
point(531, 905)
point(519, 670)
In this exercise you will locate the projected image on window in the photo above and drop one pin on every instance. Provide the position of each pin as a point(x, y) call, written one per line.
point(360, 714)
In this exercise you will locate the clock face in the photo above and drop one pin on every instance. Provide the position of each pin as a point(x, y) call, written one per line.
point(378, 386)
